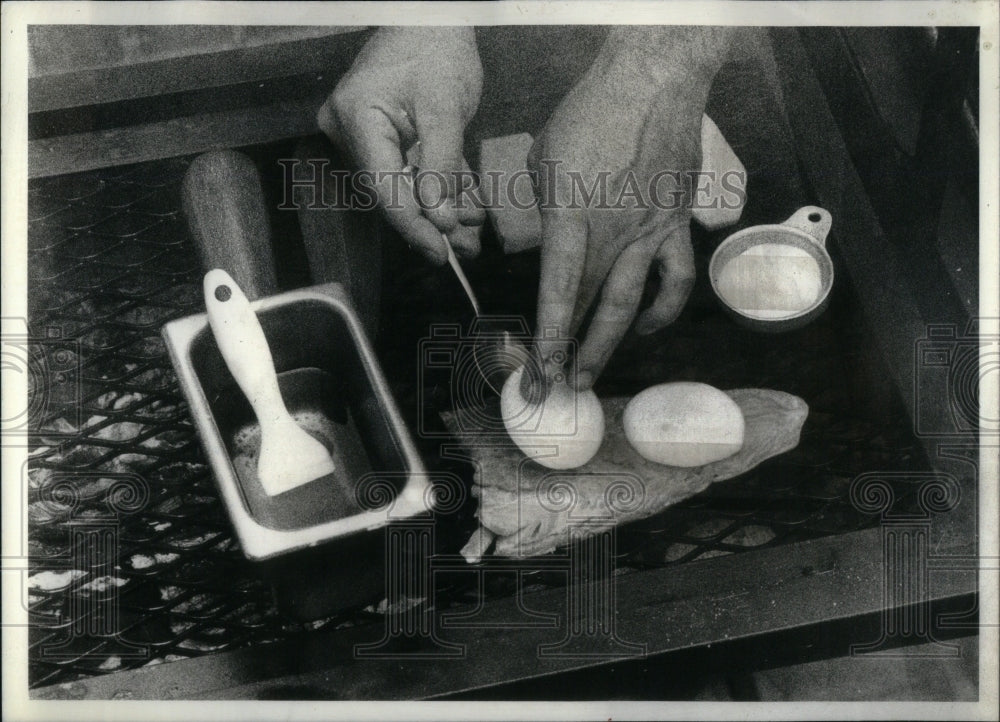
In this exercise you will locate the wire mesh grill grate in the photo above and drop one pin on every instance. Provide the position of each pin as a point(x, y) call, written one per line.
point(113, 455)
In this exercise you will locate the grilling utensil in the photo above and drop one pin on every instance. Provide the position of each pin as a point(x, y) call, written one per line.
point(289, 457)
point(496, 351)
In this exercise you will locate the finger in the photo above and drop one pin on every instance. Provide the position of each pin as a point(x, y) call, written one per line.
point(326, 118)
point(468, 203)
point(375, 144)
point(610, 232)
point(617, 307)
point(677, 276)
point(465, 239)
point(441, 162)
point(470, 213)
point(564, 239)
point(620, 232)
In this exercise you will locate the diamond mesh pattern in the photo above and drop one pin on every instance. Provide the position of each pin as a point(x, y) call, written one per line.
point(114, 455)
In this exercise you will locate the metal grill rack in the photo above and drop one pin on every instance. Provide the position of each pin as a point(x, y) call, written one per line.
point(131, 557)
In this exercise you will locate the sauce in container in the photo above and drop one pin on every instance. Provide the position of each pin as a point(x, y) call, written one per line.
point(317, 404)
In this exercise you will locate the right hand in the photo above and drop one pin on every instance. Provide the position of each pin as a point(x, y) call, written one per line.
point(409, 85)
point(636, 114)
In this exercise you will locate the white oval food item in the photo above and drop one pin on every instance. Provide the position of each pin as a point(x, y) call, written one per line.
point(683, 424)
point(562, 432)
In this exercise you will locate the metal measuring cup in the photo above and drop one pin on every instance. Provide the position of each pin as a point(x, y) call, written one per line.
point(806, 230)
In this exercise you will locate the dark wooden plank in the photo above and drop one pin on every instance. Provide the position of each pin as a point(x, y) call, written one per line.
point(898, 82)
point(526, 72)
point(872, 263)
point(176, 137)
point(158, 108)
point(667, 610)
point(905, 191)
point(919, 675)
point(141, 79)
point(522, 88)
point(54, 49)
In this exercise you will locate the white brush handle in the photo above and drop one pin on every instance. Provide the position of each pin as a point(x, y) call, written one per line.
point(243, 345)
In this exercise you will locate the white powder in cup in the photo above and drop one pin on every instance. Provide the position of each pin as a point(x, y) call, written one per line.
point(771, 281)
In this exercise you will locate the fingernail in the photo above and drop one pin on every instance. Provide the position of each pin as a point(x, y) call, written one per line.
point(584, 380)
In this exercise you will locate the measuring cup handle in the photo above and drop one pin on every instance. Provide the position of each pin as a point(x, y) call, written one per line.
point(813, 220)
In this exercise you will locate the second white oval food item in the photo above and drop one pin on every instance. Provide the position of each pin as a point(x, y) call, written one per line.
point(684, 424)
point(562, 432)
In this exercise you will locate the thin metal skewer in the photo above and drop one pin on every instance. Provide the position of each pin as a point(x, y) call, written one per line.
point(411, 170)
point(460, 274)
point(511, 348)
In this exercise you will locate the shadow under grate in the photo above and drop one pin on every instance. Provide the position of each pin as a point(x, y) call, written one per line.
point(113, 455)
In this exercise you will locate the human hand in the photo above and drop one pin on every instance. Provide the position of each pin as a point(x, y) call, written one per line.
point(633, 122)
point(410, 85)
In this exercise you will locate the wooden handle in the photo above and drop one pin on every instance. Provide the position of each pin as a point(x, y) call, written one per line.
point(341, 244)
point(243, 345)
point(224, 205)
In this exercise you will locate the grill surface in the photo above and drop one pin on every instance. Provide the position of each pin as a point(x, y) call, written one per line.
point(132, 561)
